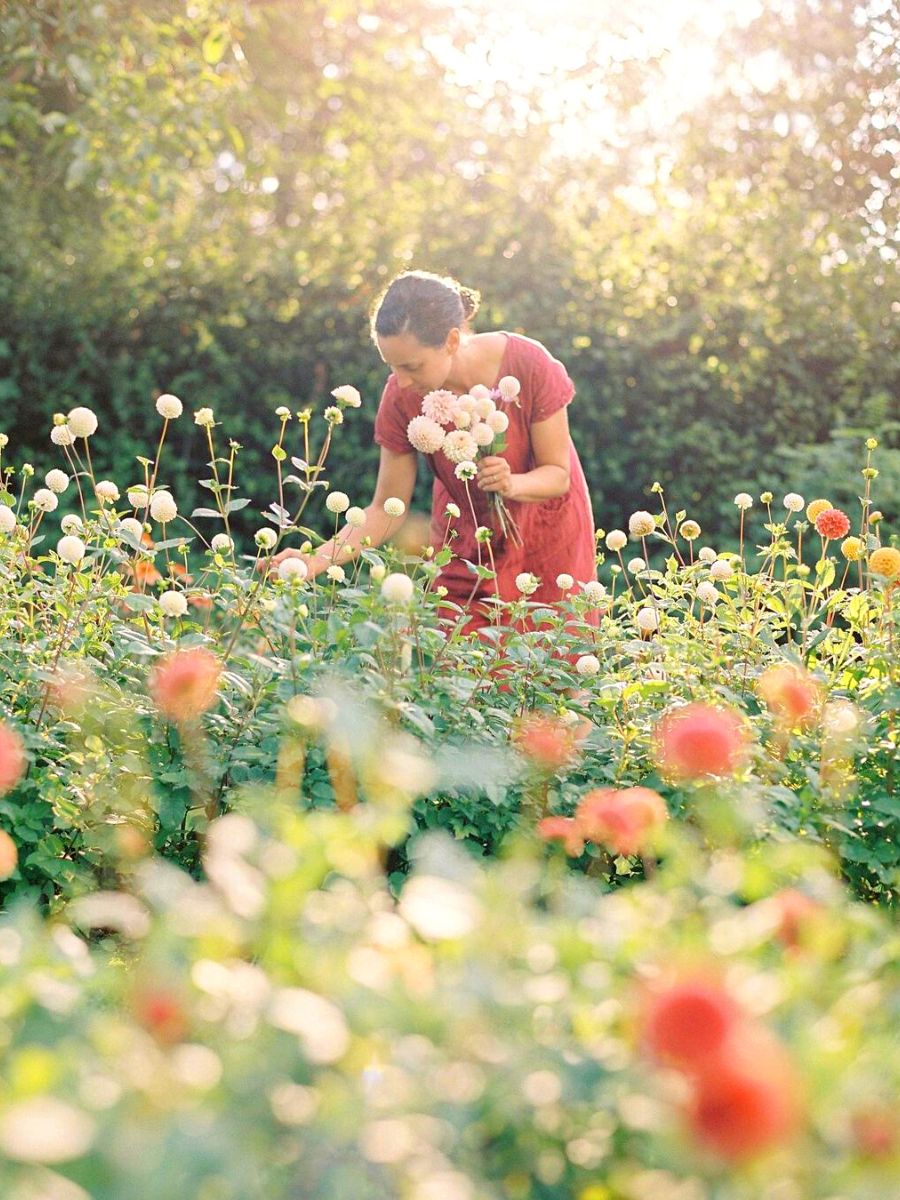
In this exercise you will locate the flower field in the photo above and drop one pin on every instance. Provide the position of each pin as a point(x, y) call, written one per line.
point(310, 892)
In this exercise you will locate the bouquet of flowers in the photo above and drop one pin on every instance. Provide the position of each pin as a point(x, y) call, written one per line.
point(465, 428)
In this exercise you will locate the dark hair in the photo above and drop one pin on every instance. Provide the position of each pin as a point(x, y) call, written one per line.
point(425, 305)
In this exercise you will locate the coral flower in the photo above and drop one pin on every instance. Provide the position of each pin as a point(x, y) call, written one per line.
point(545, 741)
point(748, 1101)
point(791, 694)
point(690, 1022)
point(885, 562)
point(625, 821)
point(565, 830)
point(699, 740)
point(793, 911)
point(184, 685)
point(12, 758)
point(832, 523)
point(9, 855)
point(162, 1014)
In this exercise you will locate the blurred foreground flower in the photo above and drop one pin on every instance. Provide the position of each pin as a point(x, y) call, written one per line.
point(625, 821)
point(793, 696)
point(185, 684)
point(12, 758)
point(699, 740)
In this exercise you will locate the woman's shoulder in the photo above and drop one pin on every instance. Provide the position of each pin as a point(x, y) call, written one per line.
point(529, 351)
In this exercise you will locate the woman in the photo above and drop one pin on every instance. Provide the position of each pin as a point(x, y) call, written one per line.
point(421, 328)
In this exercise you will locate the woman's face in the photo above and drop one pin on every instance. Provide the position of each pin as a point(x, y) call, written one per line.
point(423, 368)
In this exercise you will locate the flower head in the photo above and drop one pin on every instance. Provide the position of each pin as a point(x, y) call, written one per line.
point(699, 740)
point(565, 830)
point(707, 554)
point(641, 524)
point(498, 421)
point(355, 517)
point(71, 523)
point(56, 480)
point(587, 664)
point(527, 584)
point(397, 588)
point(452, 510)
point(425, 435)
point(337, 502)
point(721, 569)
point(333, 415)
point(885, 563)
point(347, 396)
point(460, 446)
point(266, 538)
point(483, 408)
point(689, 530)
point(162, 507)
point(624, 821)
point(743, 500)
point(565, 582)
point(12, 758)
point(466, 470)
point(853, 549)
point(794, 502)
point(831, 523)
point(138, 496)
point(45, 501)
point(173, 604)
point(647, 620)
point(792, 695)
point(205, 418)
point(689, 1022)
point(545, 740)
point(636, 565)
point(7, 519)
point(222, 544)
point(82, 422)
point(292, 570)
point(9, 855)
point(336, 573)
point(71, 549)
point(185, 684)
point(815, 507)
point(509, 387)
point(394, 506)
point(594, 591)
point(482, 433)
point(106, 491)
point(708, 594)
point(169, 406)
point(439, 406)
point(62, 435)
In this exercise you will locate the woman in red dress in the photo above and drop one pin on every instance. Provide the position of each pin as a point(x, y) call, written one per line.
point(421, 328)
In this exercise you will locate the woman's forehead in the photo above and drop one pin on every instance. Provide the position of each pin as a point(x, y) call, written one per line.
point(400, 348)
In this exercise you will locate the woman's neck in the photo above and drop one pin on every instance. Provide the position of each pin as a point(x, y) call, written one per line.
point(473, 363)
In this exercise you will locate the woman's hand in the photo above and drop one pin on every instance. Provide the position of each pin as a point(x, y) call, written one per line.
point(494, 475)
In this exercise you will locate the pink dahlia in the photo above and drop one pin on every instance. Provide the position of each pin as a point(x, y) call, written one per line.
point(460, 446)
point(185, 683)
point(12, 758)
point(699, 740)
point(440, 406)
point(425, 435)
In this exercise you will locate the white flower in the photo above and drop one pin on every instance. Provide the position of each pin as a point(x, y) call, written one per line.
point(43, 1129)
point(721, 569)
point(106, 491)
point(173, 604)
point(425, 435)
point(133, 527)
point(483, 408)
point(439, 406)
point(594, 591)
point(527, 583)
point(336, 574)
point(356, 517)
point(482, 433)
point(337, 502)
point(222, 544)
point(636, 565)
point(743, 500)
point(498, 421)
point(794, 502)
point(452, 510)
point(394, 506)
point(466, 470)
point(45, 500)
point(462, 418)
point(397, 588)
point(291, 569)
point(689, 530)
point(7, 519)
point(71, 549)
point(347, 395)
point(641, 524)
point(377, 572)
point(333, 415)
point(509, 387)
point(138, 496)
point(707, 554)
point(587, 664)
point(82, 422)
point(616, 539)
point(460, 446)
point(265, 538)
point(71, 523)
point(479, 392)
point(169, 406)
point(708, 594)
point(62, 435)
point(162, 507)
point(564, 582)
point(204, 417)
point(4, 440)
point(56, 480)
point(647, 620)
point(283, 412)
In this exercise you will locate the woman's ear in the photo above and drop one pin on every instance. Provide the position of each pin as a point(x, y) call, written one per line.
point(452, 343)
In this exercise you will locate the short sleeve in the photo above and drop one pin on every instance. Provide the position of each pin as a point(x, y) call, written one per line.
point(551, 388)
point(391, 421)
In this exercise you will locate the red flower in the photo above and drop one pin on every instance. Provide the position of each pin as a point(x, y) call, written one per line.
point(624, 821)
point(12, 758)
point(791, 693)
point(185, 683)
point(545, 741)
point(162, 1014)
point(747, 1101)
point(832, 523)
point(691, 1022)
point(9, 855)
point(565, 830)
point(698, 740)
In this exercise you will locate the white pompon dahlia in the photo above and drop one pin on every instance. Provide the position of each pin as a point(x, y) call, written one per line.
point(462, 418)
point(106, 491)
point(482, 433)
point(45, 501)
point(479, 392)
point(7, 519)
point(439, 406)
point(173, 604)
point(641, 524)
point(397, 588)
point(162, 507)
point(453, 510)
point(205, 418)
point(498, 421)
point(466, 470)
point(138, 496)
point(394, 506)
point(588, 664)
point(708, 594)
point(527, 583)
point(71, 549)
point(62, 435)
point(336, 573)
point(82, 422)
point(377, 572)
point(347, 395)
point(355, 517)
point(509, 387)
point(133, 527)
point(565, 582)
point(707, 554)
point(265, 538)
point(616, 540)
point(647, 620)
point(794, 502)
point(484, 406)
point(425, 435)
point(460, 446)
point(71, 523)
point(743, 500)
point(337, 502)
point(721, 569)
point(594, 591)
point(169, 406)
point(57, 481)
point(293, 570)
point(636, 565)
point(222, 544)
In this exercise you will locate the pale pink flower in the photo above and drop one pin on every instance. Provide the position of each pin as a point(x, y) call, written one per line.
point(498, 421)
point(459, 445)
point(482, 433)
point(425, 435)
point(439, 406)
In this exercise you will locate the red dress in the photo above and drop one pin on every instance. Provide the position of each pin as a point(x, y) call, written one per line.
point(557, 535)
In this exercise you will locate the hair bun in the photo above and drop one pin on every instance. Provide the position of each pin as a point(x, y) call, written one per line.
point(471, 301)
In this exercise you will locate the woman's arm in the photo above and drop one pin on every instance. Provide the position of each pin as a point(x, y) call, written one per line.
point(550, 475)
point(396, 477)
